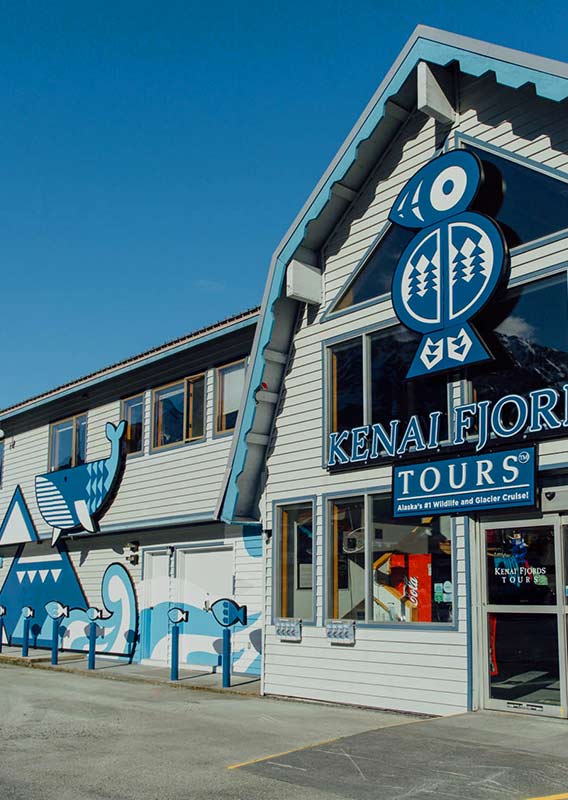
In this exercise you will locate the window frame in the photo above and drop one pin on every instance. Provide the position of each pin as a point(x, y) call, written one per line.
point(73, 418)
point(2, 461)
point(278, 506)
point(154, 448)
point(366, 334)
point(217, 432)
point(123, 401)
point(367, 494)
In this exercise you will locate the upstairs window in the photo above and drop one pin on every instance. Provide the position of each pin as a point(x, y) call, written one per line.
point(133, 413)
point(373, 276)
point(379, 391)
point(513, 190)
point(179, 412)
point(230, 381)
point(68, 440)
point(529, 341)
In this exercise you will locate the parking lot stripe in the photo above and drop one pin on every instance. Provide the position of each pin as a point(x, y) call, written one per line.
point(285, 753)
point(563, 796)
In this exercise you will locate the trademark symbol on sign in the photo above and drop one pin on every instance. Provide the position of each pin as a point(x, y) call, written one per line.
point(524, 457)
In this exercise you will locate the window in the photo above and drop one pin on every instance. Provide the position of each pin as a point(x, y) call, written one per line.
point(68, 443)
point(407, 575)
point(296, 560)
point(229, 390)
point(508, 184)
point(530, 341)
point(133, 413)
point(179, 412)
point(389, 395)
point(374, 277)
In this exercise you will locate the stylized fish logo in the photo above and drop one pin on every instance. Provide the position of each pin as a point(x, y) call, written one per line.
point(177, 615)
point(228, 613)
point(56, 610)
point(73, 498)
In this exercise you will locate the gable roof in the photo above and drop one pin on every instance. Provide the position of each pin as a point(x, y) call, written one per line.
point(376, 126)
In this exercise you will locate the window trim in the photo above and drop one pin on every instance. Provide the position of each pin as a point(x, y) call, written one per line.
point(73, 417)
point(156, 448)
point(2, 461)
point(124, 400)
point(327, 395)
point(327, 499)
point(277, 507)
point(217, 433)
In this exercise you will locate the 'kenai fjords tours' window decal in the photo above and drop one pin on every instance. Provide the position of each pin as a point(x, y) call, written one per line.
point(451, 268)
point(73, 499)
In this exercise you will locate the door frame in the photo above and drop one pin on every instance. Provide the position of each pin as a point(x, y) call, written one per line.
point(560, 610)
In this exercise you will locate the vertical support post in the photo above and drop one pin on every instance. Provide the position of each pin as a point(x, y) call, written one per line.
point(174, 667)
point(26, 640)
point(1, 631)
point(54, 641)
point(226, 658)
point(92, 644)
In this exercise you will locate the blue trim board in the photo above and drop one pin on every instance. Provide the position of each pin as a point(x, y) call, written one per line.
point(468, 612)
point(81, 386)
point(511, 68)
point(276, 533)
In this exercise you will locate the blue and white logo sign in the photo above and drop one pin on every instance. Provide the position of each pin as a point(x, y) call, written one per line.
point(497, 480)
point(451, 268)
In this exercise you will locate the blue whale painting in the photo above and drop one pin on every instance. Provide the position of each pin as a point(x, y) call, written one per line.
point(73, 498)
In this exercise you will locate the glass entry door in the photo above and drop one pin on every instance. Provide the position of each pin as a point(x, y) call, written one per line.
point(524, 616)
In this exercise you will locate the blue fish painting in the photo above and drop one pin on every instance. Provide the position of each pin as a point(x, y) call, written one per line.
point(72, 498)
point(55, 610)
point(177, 615)
point(228, 613)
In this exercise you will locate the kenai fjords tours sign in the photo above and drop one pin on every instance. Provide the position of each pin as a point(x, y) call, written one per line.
point(447, 274)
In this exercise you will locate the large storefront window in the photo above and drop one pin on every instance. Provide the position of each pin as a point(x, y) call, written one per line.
point(530, 341)
point(296, 561)
point(408, 574)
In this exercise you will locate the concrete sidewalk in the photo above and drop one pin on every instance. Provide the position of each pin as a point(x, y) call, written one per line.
point(121, 670)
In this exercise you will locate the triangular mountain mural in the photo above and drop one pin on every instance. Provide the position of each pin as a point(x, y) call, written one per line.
point(37, 575)
point(17, 526)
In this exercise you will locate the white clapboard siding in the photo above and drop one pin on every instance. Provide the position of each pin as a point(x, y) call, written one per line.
point(179, 482)
point(404, 668)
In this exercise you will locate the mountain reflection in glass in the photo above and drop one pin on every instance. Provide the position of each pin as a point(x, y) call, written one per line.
point(529, 341)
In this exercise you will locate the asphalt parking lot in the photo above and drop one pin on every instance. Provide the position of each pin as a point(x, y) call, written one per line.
point(76, 737)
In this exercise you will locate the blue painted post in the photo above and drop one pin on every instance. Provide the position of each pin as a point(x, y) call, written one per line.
point(226, 658)
point(92, 644)
point(54, 642)
point(174, 671)
point(26, 640)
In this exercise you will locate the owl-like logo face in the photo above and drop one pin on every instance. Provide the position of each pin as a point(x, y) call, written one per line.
point(451, 268)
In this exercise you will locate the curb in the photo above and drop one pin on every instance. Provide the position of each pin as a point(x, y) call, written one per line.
point(18, 661)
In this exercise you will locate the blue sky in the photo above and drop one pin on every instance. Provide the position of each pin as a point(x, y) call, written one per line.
point(153, 154)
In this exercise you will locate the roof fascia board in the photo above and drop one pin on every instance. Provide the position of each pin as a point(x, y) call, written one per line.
point(512, 68)
point(129, 367)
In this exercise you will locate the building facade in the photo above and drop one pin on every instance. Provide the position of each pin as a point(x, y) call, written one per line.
point(109, 488)
point(403, 440)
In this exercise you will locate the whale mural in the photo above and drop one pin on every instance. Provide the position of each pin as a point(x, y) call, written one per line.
point(74, 498)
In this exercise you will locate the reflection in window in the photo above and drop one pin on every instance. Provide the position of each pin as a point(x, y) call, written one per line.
point(347, 385)
point(168, 415)
point(521, 566)
point(179, 412)
point(229, 390)
point(375, 276)
point(530, 341)
point(296, 561)
point(347, 567)
point(412, 567)
point(68, 443)
point(504, 197)
point(393, 397)
point(133, 414)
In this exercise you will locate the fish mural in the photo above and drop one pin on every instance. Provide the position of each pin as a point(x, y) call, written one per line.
point(74, 498)
point(228, 613)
